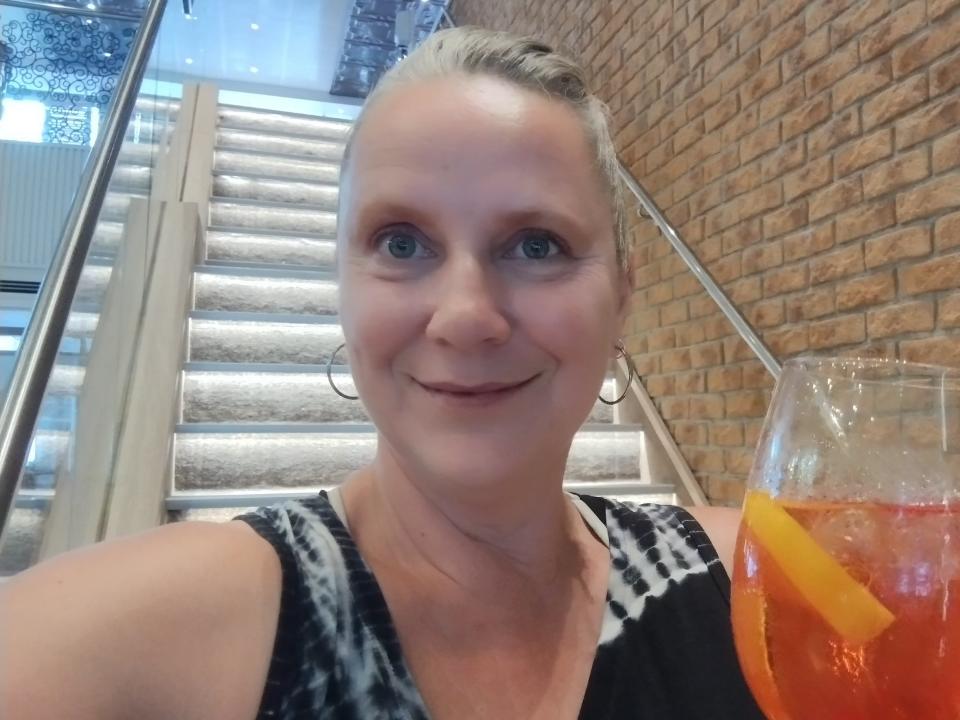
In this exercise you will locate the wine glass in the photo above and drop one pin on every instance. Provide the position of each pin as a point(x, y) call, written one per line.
point(846, 586)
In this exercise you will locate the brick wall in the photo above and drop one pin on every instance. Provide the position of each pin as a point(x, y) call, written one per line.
point(810, 154)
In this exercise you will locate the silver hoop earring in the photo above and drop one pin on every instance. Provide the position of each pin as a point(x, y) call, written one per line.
point(330, 375)
point(632, 375)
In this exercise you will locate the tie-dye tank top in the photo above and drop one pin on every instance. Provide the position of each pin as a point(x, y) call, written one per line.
point(665, 650)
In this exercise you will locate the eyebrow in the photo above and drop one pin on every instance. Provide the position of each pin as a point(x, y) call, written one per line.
point(418, 212)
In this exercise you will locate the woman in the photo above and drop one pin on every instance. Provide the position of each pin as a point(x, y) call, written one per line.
point(482, 264)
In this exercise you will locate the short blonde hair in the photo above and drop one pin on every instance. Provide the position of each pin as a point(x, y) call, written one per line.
point(527, 63)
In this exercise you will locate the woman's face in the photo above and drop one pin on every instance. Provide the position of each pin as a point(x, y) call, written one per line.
point(479, 290)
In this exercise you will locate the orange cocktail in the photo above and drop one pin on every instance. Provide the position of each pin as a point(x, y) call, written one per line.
point(849, 610)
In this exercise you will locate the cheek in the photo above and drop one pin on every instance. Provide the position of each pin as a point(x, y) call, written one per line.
point(377, 324)
point(578, 329)
point(578, 324)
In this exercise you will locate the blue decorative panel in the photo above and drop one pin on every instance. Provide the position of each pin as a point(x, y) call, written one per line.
point(69, 62)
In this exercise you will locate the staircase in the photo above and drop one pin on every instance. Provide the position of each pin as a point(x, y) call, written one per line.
point(259, 421)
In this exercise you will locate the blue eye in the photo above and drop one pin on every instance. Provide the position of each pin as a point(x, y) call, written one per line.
point(401, 244)
point(538, 245)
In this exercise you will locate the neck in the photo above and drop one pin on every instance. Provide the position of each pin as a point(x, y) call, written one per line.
point(502, 537)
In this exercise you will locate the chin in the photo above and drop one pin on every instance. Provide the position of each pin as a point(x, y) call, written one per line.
point(475, 460)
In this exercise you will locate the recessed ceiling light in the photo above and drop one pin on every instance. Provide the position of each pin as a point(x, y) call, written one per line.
point(254, 69)
point(189, 61)
point(91, 6)
point(108, 54)
point(254, 26)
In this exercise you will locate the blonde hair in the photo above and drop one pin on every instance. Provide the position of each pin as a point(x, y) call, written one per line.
point(527, 63)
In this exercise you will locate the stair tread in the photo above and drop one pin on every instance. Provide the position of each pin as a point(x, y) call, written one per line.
point(288, 290)
point(222, 456)
point(294, 193)
point(281, 145)
point(275, 178)
point(263, 216)
point(226, 115)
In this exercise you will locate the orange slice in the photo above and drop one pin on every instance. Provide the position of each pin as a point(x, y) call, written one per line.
point(844, 603)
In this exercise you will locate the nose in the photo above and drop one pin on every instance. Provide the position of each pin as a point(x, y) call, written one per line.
point(468, 307)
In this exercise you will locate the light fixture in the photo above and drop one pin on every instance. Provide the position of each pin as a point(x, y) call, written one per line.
point(254, 69)
point(189, 61)
point(108, 54)
point(91, 6)
point(254, 26)
point(190, 17)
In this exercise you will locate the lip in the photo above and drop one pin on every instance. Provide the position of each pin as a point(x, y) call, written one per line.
point(473, 389)
point(474, 395)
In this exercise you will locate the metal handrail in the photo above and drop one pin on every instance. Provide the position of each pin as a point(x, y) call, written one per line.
point(41, 339)
point(59, 7)
point(714, 290)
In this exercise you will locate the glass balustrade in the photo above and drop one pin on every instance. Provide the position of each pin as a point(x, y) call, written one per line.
point(61, 76)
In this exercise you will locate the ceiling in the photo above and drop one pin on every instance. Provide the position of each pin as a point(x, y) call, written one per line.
point(283, 47)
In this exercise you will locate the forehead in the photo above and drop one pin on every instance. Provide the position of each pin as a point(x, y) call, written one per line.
point(477, 133)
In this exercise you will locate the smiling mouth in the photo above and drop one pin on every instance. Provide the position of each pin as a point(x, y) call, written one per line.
point(486, 390)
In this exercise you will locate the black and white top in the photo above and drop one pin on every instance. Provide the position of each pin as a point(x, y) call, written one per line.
point(665, 650)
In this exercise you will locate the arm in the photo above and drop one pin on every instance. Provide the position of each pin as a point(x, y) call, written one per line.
point(176, 622)
point(721, 525)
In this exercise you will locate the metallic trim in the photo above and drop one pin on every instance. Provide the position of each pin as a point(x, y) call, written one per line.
point(258, 317)
point(193, 499)
point(344, 428)
point(715, 292)
point(264, 270)
point(242, 230)
point(41, 339)
point(213, 366)
point(34, 499)
point(259, 203)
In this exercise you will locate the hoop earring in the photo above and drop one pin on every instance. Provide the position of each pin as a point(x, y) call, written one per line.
point(330, 375)
point(632, 375)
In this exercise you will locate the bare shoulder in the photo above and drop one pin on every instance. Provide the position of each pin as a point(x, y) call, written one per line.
point(721, 525)
point(133, 627)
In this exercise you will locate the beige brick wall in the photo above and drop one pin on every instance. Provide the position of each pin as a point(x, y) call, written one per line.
point(810, 154)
